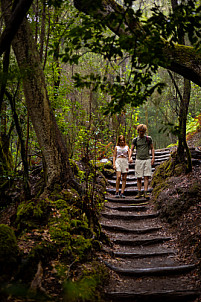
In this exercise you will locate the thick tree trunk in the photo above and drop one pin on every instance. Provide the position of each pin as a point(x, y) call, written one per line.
point(38, 104)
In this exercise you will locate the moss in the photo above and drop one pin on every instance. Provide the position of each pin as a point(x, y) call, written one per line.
point(31, 213)
point(9, 251)
point(69, 230)
point(163, 173)
point(179, 169)
point(108, 172)
point(195, 189)
point(76, 170)
point(186, 51)
point(81, 247)
point(159, 188)
point(88, 286)
point(159, 178)
point(70, 195)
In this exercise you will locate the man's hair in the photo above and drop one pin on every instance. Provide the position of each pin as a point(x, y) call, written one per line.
point(141, 127)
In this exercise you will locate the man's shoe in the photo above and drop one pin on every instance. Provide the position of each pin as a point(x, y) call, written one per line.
point(122, 195)
point(146, 195)
point(116, 194)
point(138, 196)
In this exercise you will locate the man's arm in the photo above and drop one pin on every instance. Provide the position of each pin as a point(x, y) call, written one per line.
point(152, 153)
point(130, 154)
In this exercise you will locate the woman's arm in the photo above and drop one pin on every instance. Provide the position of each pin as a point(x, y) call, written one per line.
point(114, 157)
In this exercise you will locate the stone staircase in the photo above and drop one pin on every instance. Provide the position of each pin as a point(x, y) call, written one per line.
point(142, 255)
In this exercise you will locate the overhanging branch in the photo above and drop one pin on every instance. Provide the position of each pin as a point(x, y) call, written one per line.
point(181, 59)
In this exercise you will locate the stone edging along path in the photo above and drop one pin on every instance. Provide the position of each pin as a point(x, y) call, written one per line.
point(142, 258)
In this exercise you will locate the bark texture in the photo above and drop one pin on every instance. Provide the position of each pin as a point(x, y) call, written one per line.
point(38, 104)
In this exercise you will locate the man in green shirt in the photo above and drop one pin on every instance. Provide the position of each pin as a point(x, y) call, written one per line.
point(143, 161)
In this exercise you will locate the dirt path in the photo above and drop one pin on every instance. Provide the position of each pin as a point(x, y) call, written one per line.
point(143, 257)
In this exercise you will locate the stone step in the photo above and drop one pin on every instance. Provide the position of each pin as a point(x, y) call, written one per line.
point(129, 208)
point(117, 228)
point(142, 255)
point(141, 242)
point(156, 296)
point(128, 200)
point(130, 175)
point(128, 191)
point(129, 183)
point(144, 262)
point(152, 271)
point(130, 216)
point(163, 247)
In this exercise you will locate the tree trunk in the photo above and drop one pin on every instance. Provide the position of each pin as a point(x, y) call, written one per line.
point(183, 112)
point(22, 145)
point(38, 104)
point(182, 146)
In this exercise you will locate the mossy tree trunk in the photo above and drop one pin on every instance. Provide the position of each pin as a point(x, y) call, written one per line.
point(6, 161)
point(48, 134)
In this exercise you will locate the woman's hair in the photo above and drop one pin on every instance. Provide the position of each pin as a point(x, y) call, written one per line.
point(142, 127)
point(121, 137)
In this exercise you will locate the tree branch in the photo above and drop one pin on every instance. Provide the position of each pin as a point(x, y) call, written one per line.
point(14, 22)
point(181, 59)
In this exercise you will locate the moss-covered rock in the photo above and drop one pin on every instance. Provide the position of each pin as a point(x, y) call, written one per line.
point(32, 213)
point(105, 167)
point(88, 286)
point(162, 174)
point(9, 251)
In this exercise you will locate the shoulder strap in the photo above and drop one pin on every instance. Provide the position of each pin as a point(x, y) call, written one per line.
point(148, 140)
point(135, 142)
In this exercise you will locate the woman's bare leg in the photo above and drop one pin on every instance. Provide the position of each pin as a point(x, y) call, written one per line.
point(118, 174)
point(124, 176)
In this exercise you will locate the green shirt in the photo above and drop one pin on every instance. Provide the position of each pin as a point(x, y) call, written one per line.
point(143, 147)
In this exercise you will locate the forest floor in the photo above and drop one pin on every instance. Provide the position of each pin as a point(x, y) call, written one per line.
point(185, 225)
point(186, 191)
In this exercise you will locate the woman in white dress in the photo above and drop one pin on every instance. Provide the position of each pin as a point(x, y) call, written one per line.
point(120, 164)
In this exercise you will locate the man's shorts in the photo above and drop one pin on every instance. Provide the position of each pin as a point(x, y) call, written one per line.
point(121, 165)
point(142, 167)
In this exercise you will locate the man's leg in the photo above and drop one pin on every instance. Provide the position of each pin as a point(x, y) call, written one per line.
point(147, 172)
point(139, 186)
point(146, 184)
